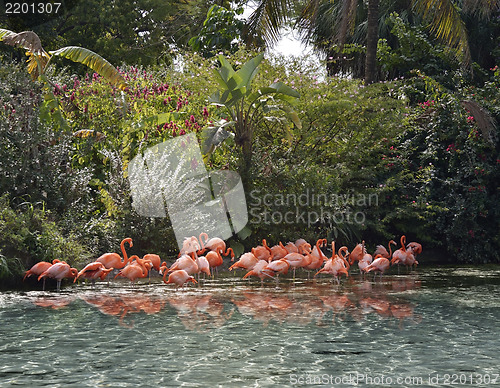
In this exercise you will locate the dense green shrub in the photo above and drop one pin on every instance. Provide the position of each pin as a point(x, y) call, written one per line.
point(443, 166)
point(28, 234)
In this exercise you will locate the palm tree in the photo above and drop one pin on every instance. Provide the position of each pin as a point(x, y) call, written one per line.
point(443, 18)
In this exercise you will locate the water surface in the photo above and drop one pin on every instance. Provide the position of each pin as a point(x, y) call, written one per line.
point(434, 327)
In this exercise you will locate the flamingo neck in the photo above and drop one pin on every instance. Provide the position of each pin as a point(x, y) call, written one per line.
point(403, 242)
point(264, 243)
point(124, 252)
point(321, 255)
point(202, 243)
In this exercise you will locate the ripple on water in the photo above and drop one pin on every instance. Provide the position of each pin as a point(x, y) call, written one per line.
point(229, 333)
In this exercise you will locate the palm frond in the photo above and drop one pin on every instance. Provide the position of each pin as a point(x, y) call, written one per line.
point(94, 61)
point(267, 19)
point(446, 24)
point(26, 39)
point(483, 8)
point(347, 20)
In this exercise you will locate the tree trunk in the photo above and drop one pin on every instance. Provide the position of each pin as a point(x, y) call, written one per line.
point(371, 41)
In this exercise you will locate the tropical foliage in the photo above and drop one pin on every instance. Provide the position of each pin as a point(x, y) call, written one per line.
point(319, 155)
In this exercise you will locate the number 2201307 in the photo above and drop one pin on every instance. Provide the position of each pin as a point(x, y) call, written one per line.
point(25, 8)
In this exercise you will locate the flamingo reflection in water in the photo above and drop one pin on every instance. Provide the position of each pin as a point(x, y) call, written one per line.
point(123, 305)
point(201, 313)
point(316, 304)
point(53, 302)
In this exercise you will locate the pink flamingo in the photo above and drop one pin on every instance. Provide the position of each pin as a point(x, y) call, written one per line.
point(59, 271)
point(39, 268)
point(380, 250)
point(298, 260)
point(291, 247)
point(215, 244)
point(278, 251)
point(318, 257)
point(357, 253)
point(415, 248)
point(336, 265)
point(246, 261)
point(365, 261)
point(134, 271)
point(303, 243)
point(262, 252)
point(187, 263)
point(189, 245)
point(113, 260)
point(277, 267)
point(258, 270)
point(179, 277)
point(403, 256)
point(380, 264)
point(154, 259)
point(215, 260)
point(203, 265)
point(93, 271)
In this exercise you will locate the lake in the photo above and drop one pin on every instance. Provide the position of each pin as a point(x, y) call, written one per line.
point(433, 327)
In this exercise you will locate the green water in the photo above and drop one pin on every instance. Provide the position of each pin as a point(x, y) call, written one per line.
point(435, 327)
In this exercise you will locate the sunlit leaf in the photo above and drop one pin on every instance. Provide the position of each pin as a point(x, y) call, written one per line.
point(85, 133)
point(94, 61)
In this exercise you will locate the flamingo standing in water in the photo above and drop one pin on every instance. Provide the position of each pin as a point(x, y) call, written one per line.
point(365, 261)
point(189, 245)
point(154, 259)
point(187, 263)
point(203, 266)
point(93, 271)
point(247, 261)
point(113, 260)
point(278, 251)
point(380, 250)
point(380, 264)
point(262, 252)
point(403, 256)
point(134, 271)
point(277, 267)
point(179, 277)
point(415, 248)
point(299, 260)
point(215, 260)
point(357, 253)
point(317, 256)
point(337, 264)
point(215, 244)
point(258, 270)
point(59, 271)
point(39, 268)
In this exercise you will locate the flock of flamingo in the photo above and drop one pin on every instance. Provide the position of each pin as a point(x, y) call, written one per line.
point(204, 255)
